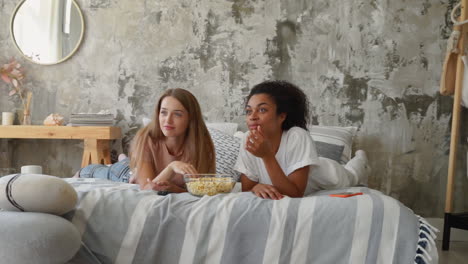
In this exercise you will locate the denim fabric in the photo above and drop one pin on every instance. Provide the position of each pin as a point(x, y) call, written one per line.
point(119, 172)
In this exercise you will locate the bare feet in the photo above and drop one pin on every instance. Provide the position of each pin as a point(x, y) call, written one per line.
point(366, 170)
point(77, 174)
point(122, 157)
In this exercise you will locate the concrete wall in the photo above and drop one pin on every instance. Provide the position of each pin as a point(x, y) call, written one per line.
point(374, 64)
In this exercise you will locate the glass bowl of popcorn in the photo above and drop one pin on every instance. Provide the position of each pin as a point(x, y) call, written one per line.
point(208, 184)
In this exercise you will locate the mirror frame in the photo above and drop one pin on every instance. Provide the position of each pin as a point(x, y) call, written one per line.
point(78, 44)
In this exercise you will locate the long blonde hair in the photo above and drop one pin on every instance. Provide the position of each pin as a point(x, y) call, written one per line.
point(198, 146)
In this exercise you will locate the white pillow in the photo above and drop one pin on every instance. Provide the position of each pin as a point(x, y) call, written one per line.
point(341, 136)
point(226, 128)
point(145, 121)
point(36, 193)
point(239, 134)
point(37, 238)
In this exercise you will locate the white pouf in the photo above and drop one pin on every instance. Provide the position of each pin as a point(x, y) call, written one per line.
point(36, 193)
point(37, 238)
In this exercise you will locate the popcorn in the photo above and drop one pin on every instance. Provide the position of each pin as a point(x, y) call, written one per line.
point(209, 185)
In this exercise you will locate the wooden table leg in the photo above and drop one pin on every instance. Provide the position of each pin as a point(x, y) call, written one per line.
point(96, 151)
point(103, 151)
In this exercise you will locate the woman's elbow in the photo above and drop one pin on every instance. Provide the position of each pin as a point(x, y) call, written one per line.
point(297, 195)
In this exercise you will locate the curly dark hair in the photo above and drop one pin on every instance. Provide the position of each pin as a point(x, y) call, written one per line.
point(289, 99)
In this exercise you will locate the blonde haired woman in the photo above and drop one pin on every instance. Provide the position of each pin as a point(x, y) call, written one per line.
point(175, 142)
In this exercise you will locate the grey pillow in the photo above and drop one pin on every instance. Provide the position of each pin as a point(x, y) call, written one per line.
point(341, 136)
point(329, 151)
point(37, 238)
point(227, 150)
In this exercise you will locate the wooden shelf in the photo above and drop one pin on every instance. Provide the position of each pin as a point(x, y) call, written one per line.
point(60, 132)
point(96, 139)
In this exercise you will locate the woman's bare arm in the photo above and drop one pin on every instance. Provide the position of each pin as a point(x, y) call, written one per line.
point(292, 185)
point(146, 177)
point(261, 190)
point(247, 184)
point(145, 173)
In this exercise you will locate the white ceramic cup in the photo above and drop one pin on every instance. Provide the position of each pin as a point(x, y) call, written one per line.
point(32, 169)
point(7, 118)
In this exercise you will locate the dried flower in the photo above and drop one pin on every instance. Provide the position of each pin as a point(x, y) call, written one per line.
point(12, 73)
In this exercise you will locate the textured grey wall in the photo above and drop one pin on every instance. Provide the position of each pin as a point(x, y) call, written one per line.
point(372, 64)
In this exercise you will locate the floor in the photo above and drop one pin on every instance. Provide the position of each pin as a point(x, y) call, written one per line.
point(458, 253)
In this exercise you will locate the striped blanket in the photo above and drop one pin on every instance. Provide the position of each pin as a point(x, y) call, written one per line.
point(121, 224)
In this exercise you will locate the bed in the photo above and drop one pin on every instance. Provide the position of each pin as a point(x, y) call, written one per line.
point(121, 224)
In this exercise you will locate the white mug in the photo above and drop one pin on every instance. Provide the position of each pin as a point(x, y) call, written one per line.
point(32, 169)
point(7, 118)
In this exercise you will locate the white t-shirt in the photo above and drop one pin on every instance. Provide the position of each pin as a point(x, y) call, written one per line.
point(297, 150)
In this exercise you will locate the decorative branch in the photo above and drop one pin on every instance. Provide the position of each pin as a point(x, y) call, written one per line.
point(12, 73)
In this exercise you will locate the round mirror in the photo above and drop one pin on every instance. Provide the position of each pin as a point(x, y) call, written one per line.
point(47, 31)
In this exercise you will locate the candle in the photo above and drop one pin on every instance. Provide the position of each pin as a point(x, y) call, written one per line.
point(7, 118)
point(32, 169)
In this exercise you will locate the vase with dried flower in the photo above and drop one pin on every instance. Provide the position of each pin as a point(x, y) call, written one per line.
point(12, 73)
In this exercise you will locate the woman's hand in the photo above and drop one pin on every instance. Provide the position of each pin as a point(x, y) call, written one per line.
point(156, 185)
point(182, 167)
point(257, 144)
point(267, 191)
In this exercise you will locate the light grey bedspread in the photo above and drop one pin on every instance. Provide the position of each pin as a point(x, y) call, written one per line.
point(121, 224)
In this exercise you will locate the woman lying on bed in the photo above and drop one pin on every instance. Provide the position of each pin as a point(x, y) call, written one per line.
point(175, 142)
point(278, 156)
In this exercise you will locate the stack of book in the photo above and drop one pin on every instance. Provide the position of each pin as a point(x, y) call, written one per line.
point(91, 120)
